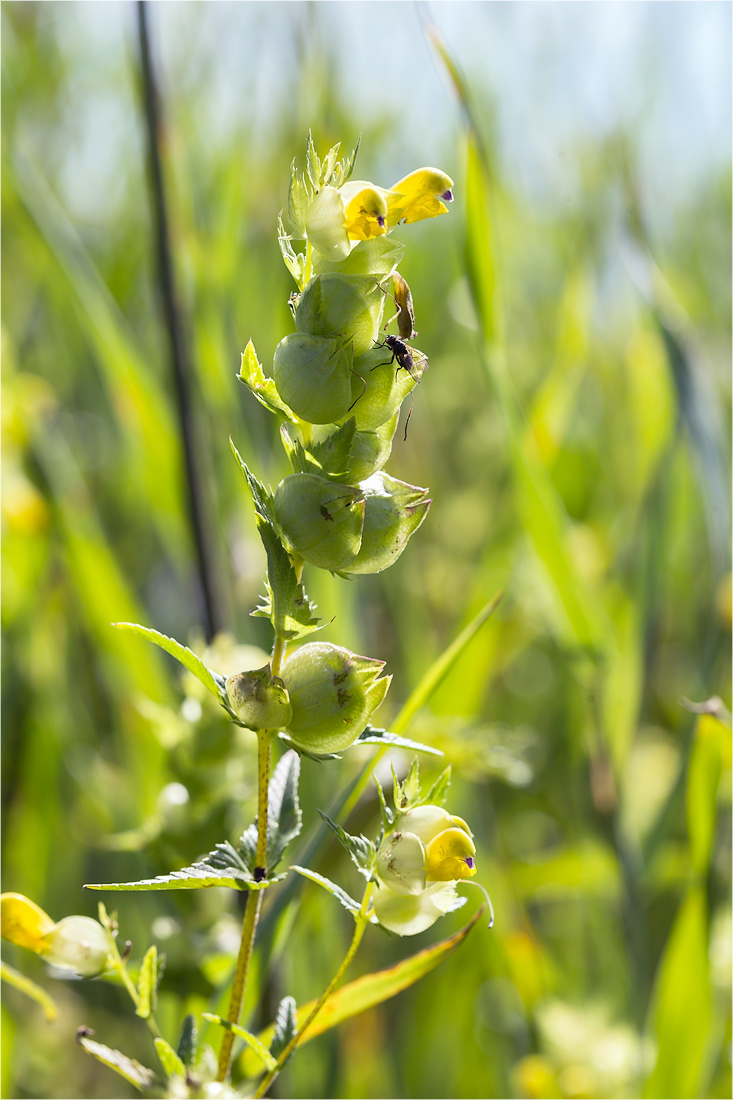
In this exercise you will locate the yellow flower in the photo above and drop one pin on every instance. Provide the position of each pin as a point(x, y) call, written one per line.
point(418, 866)
point(75, 943)
point(422, 194)
point(365, 208)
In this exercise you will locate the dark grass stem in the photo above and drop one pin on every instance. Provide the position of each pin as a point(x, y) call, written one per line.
point(173, 318)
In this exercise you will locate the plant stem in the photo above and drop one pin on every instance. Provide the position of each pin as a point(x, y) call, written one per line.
point(362, 920)
point(254, 898)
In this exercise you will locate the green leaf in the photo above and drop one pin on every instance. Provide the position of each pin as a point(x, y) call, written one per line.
point(319, 758)
point(313, 164)
point(374, 736)
point(147, 983)
point(225, 866)
point(287, 606)
point(140, 1076)
point(438, 793)
point(260, 1049)
point(340, 895)
point(361, 850)
point(407, 793)
point(286, 1025)
point(386, 814)
point(368, 991)
point(211, 680)
point(25, 985)
point(706, 763)
point(169, 1060)
point(253, 377)
point(682, 1005)
point(284, 817)
point(331, 456)
point(188, 1040)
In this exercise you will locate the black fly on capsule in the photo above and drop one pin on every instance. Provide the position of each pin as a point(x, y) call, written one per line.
point(406, 357)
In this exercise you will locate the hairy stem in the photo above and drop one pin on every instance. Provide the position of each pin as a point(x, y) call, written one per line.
point(362, 920)
point(254, 899)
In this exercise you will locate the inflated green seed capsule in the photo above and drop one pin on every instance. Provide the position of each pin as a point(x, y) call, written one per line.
point(378, 389)
point(394, 510)
point(320, 520)
point(325, 225)
point(313, 376)
point(333, 693)
point(369, 450)
point(350, 306)
point(259, 701)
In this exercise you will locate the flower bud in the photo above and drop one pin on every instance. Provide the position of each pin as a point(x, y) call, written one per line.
point(313, 376)
point(79, 944)
point(348, 305)
point(333, 693)
point(393, 511)
point(259, 701)
point(320, 520)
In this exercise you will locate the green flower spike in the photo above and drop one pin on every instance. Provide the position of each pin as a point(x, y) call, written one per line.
point(418, 866)
point(333, 693)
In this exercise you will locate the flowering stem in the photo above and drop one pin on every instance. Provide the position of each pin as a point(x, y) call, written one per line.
point(362, 920)
point(254, 898)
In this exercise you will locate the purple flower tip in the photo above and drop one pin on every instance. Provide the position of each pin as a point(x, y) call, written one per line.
point(470, 862)
point(380, 221)
point(447, 196)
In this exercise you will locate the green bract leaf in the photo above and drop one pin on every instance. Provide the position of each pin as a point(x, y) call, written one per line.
point(188, 1040)
point(169, 1060)
point(225, 866)
point(284, 817)
point(407, 793)
point(362, 851)
point(140, 1076)
point(438, 793)
point(251, 1040)
point(285, 1027)
point(340, 895)
point(287, 607)
point(264, 389)
point(366, 992)
point(211, 680)
point(147, 983)
point(374, 736)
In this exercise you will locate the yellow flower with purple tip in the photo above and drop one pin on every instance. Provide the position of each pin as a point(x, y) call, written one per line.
point(421, 194)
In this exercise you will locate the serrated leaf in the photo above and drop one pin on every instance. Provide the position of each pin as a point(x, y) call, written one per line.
point(374, 736)
point(438, 793)
point(211, 680)
point(147, 983)
point(340, 895)
point(188, 1040)
point(254, 378)
point(284, 817)
point(25, 985)
point(385, 813)
point(368, 991)
point(330, 164)
point(288, 606)
point(251, 1040)
point(313, 164)
point(285, 1027)
point(140, 1076)
point(225, 866)
point(361, 850)
point(169, 1060)
point(407, 793)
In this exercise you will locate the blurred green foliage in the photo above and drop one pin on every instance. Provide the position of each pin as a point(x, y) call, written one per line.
point(573, 431)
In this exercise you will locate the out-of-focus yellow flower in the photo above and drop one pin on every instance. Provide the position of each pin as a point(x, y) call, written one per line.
point(422, 194)
point(418, 866)
point(75, 943)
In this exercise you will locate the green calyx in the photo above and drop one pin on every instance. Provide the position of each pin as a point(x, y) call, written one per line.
point(333, 693)
point(394, 510)
point(313, 376)
point(259, 700)
point(350, 305)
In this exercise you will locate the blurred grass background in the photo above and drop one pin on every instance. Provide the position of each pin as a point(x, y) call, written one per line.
point(573, 429)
